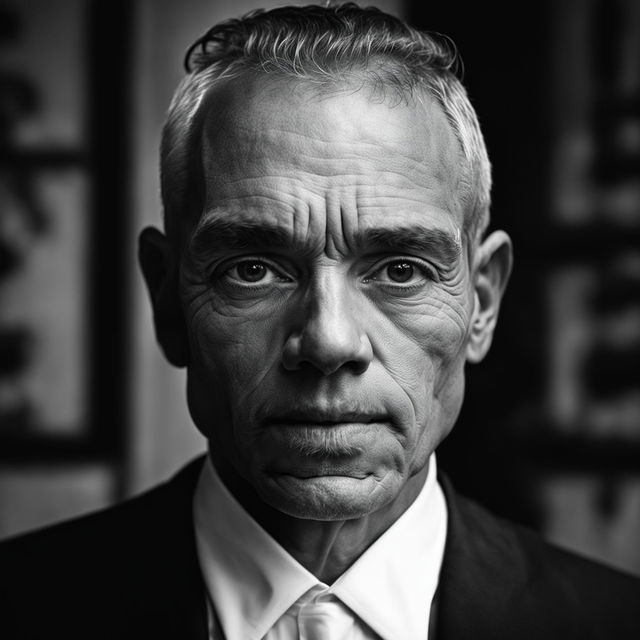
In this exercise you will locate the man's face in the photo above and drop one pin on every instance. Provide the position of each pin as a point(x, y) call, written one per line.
point(326, 293)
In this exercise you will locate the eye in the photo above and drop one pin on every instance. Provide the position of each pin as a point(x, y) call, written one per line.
point(254, 271)
point(251, 271)
point(402, 271)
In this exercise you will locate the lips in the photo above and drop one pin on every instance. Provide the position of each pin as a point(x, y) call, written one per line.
point(326, 433)
point(323, 416)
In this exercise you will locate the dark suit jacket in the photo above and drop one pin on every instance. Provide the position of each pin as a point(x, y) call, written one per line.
point(132, 572)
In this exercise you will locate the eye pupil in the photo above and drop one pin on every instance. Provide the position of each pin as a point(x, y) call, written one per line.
point(252, 271)
point(400, 271)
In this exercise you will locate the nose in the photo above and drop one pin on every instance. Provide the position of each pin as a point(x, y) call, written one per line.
point(328, 333)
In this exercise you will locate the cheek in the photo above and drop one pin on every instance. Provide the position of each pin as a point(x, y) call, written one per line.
point(232, 360)
point(422, 344)
point(234, 348)
point(422, 349)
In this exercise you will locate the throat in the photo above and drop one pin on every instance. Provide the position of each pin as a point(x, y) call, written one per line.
point(325, 548)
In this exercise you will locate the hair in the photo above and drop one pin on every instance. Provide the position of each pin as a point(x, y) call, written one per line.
point(322, 45)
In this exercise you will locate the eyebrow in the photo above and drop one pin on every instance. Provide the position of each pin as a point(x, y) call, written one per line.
point(413, 239)
point(214, 235)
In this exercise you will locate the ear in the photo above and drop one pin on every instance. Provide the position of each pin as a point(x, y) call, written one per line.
point(491, 270)
point(161, 276)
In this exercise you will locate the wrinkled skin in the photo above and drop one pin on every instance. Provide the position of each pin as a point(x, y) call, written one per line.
point(328, 299)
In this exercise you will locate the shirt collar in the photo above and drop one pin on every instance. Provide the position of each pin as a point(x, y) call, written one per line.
point(392, 584)
point(253, 581)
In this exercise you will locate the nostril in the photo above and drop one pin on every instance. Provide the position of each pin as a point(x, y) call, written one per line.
point(291, 359)
point(358, 367)
point(328, 355)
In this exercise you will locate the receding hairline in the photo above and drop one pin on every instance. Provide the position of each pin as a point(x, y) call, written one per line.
point(317, 45)
point(220, 102)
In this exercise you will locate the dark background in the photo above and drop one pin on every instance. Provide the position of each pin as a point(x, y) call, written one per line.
point(509, 432)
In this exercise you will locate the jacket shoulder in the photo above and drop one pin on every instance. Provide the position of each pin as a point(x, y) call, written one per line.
point(115, 560)
point(508, 581)
point(97, 535)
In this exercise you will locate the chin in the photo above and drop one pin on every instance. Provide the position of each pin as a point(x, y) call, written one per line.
point(325, 498)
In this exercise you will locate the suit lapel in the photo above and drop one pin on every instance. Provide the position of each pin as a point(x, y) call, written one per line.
point(177, 603)
point(481, 573)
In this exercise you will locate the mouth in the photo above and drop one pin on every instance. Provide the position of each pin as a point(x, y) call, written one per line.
point(325, 434)
point(325, 418)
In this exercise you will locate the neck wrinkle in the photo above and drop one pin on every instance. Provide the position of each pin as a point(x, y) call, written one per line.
point(324, 548)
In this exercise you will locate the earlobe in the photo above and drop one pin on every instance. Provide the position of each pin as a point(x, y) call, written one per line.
point(491, 272)
point(161, 277)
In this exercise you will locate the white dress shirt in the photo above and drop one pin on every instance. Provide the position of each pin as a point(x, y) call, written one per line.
point(258, 590)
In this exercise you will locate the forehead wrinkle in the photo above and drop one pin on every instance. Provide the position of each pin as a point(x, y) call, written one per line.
point(363, 142)
point(285, 193)
point(306, 164)
point(346, 162)
point(395, 205)
point(345, 213)
point(374, 168)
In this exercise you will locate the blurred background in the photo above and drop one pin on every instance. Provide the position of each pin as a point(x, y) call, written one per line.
point(549, 434)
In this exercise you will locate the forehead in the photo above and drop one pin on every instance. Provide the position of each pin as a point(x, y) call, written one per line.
point(327, 161)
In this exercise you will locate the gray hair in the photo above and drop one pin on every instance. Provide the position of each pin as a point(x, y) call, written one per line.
point(318, 44)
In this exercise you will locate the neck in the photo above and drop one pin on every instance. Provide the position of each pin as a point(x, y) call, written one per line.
point(325, 548)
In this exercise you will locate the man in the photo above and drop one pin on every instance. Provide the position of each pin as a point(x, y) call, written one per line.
point(325, 276)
